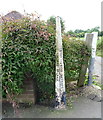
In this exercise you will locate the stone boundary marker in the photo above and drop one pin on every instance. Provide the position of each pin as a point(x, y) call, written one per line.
point(60, 80)
point(92, 59)
point(91, 41)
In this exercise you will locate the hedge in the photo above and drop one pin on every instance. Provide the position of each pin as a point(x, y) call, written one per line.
point(75, 51)
point(100, 44)
point(99, 51)
point(30, 46)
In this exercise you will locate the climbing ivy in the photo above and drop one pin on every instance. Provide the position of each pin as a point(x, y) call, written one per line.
point(75, 51)
point(30, 46)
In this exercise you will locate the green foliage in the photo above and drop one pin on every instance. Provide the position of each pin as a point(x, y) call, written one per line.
point(81, 33)
point(52, 21)
point(86, 80)
point(100, 47)
point(100, 33)
point(100, 44)
point(94, 81)
point(76, 33)
point(95, 29)
point(30, 46)
point(70, 32)
point(75, 52)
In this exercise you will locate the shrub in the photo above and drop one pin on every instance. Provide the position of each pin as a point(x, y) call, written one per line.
point(75, 52)
point(100, 44)
point(30, 46)
point(100, 47)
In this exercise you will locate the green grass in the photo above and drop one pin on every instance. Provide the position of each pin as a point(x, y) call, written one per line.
point(99, 53)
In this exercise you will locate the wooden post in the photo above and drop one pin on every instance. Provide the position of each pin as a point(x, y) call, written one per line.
point(88, 39)
point(60, 80)
point(92, 59)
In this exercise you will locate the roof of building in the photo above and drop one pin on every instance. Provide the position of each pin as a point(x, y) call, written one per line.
point(13, 15)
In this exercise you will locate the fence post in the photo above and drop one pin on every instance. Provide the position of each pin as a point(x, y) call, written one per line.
point(88, 39)
point(60, 80)
point(92, 59)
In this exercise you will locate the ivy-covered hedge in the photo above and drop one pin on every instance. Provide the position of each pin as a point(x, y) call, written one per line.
point(30, 46)
point(75, 51)
point(99, 51)
point(100, 44)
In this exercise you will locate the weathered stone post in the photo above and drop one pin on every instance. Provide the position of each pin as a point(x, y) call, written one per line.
point(92, 59)
point(60, 80)
point(91, 41)
point(88, 39)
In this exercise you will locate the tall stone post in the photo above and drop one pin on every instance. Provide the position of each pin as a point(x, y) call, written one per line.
point(60, 80)
point(88, 39)
point(92, 59)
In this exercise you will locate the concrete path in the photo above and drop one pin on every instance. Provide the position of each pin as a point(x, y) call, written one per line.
point(81, 108)
point(98, 69)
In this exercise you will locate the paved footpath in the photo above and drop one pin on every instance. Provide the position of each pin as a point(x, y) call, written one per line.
point(98, 68)
point(81, 108)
